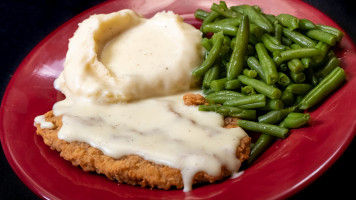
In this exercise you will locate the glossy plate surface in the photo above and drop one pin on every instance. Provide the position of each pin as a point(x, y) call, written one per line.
point(288, 166)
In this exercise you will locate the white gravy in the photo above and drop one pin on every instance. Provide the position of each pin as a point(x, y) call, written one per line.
point(162, 130)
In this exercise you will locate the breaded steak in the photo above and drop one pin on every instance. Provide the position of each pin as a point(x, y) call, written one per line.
point(130, 169)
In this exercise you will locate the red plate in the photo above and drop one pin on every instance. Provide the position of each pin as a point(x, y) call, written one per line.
point(288, 166)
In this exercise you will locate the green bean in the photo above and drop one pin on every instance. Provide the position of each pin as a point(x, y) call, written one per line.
point(253, 105)
point(232, 43)
point(227, 93)
point(256, 30)
point(270, 18)
point(212, 56)
point(278, 29)
point(283, 79)
point(274, 116)
point(283, 67)
point(301, 88)
point(261, 87)
point(266, 19)
point(286, 41)
point(250, 48)
point(296, 53)
point(263, 128)
point(221, 96)
point(239, 8)
point(250, 73)
point(223, 11)
point(295, 65)
point(201, 14)
point(273, 104)
point(328, 67)
point(229, 21)
point(205, 55)
point(211, 17)
point(207, 108)
point(257, 8)
point(207, 91)
point(255, 17)
point(274, 40)
point(305, 24)
point(205, 42)
point(248, 90)
point(298, 99)
point(298, 38)
point(287, 98)
point(223, 5)
point(330, 54)
point(324, 88)
point(270, 45)
point(339, 34)
point(268, 66)
point(254, 64)
point(295, 120)
point(235, 65)
point(233, 84)
point(237, 112)
point(323, 36)
point(225, 46)
point(288, 20)
point(210, 75)
point(297, 77)
point(218, 99)
point(230, 111)
point(262, 143)
point(324, 48)
point(305, 60)
point(215, 28)
point(246, 100)
point(218, 84)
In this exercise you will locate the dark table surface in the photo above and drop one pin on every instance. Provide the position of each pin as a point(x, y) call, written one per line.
point(25, 23)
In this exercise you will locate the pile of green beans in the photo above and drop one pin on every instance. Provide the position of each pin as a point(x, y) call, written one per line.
point(265, 69)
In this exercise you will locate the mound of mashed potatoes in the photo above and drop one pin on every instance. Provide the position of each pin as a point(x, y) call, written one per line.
point(122, 56)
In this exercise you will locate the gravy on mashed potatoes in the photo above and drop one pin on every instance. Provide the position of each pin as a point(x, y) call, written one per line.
point(124, 78)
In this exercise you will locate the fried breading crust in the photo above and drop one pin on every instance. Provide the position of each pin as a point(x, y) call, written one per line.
point(130, 169)
point(194, 99)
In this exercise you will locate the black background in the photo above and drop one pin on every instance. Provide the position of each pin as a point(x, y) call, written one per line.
point(24, 23)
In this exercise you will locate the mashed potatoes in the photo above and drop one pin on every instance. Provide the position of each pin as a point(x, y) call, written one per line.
point(122, 57)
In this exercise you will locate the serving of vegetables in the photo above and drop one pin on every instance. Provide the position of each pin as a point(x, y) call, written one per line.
point(264, 69)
